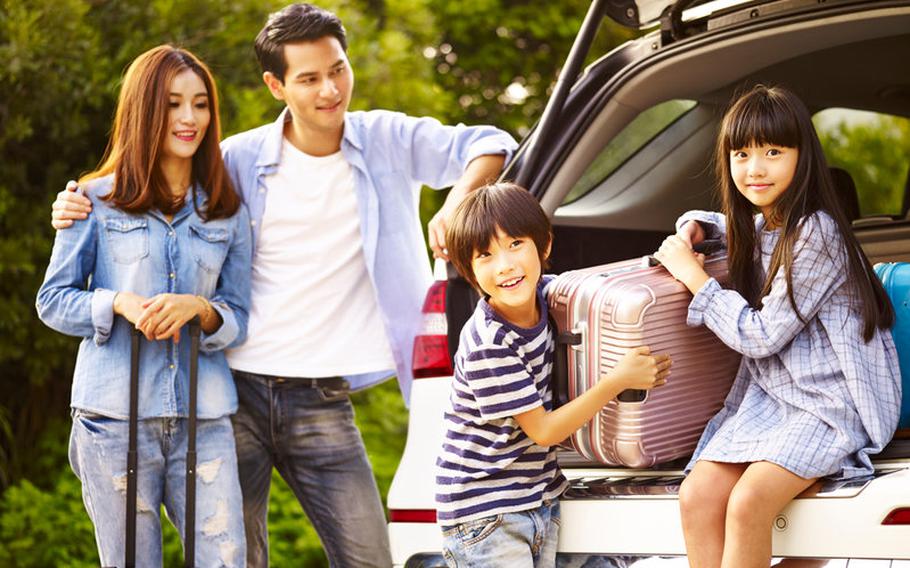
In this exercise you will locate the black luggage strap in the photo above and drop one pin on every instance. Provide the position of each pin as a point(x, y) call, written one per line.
point(132, 461)
point(189, 536)
point(568, 338)
point(559, 379)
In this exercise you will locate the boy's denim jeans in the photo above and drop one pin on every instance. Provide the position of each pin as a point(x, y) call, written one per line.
point(511, 540)
point(305, 429)
point(97, 453)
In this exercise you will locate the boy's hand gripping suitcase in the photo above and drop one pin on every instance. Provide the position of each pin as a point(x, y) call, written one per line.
point(603, 311)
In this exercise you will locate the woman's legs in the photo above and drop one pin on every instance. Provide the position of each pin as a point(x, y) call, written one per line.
point(703, 506)
point(760, 494)
point(98, 447)
point(219, 507)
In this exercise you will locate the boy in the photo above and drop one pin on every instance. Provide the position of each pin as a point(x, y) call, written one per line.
point(497, 480)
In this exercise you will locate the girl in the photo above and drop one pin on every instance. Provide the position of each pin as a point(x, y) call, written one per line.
point(167, 241)
point(818, 388)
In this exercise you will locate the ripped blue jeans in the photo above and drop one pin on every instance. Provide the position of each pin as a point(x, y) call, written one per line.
point(97, 453)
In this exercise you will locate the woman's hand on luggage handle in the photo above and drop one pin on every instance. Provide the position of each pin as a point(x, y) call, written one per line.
point(638, 369)
point(70, 205)
point(683, 263)
point(128, 305)
point(163, 315)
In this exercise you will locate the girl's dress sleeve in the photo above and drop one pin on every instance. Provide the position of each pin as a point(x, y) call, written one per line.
point(713, 223)
point(819, 269)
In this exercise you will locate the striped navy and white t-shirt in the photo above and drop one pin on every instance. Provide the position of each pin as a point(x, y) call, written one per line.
point(488, 465)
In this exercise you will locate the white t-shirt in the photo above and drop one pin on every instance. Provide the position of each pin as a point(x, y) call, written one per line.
point(313, 311)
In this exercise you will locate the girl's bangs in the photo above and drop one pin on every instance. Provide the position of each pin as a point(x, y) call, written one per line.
point(761, 119)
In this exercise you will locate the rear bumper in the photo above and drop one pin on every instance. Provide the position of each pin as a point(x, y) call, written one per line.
point(814, 527)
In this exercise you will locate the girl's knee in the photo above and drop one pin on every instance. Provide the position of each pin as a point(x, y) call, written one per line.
point(699, 494)
point(748, 506)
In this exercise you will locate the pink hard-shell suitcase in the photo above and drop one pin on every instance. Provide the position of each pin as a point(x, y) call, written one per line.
point(603, 311)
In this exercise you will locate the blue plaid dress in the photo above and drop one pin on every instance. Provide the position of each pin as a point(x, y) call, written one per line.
point(811, 397)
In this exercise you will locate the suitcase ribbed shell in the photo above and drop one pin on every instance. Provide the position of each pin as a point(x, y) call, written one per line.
point(618, 306)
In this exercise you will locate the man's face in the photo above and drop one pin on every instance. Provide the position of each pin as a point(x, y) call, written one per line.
point(317, 86)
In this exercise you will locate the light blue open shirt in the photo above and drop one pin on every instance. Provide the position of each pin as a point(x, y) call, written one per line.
point(392, 156)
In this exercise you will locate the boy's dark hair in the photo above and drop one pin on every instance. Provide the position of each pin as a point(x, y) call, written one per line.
point(294, 24)
point(504, 206)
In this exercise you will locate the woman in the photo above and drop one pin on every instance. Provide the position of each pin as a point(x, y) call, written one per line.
point(167, 241)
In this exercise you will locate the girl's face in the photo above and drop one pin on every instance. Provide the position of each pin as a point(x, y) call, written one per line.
point(188, 115)
point(763, 173)
point(508, 271)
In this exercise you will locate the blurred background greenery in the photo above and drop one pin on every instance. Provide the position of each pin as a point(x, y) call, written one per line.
point(473, 61)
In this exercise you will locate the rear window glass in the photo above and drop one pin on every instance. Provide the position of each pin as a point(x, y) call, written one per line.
point(874, 149)
point(630, 140)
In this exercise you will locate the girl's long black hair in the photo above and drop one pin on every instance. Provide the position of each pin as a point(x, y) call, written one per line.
point(774, 115)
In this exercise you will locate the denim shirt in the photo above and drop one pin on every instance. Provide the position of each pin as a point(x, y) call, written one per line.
point(392, 156)
point(145, 254)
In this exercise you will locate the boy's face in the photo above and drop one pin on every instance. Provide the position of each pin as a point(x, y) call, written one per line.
point(317, 85)
point(508, 271)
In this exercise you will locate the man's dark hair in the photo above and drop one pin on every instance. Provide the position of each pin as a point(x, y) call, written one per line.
point(504, 206)
point(294, 24)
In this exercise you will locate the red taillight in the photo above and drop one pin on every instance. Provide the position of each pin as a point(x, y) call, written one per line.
point(412, 515)
point(431, 346)
point(899, 516)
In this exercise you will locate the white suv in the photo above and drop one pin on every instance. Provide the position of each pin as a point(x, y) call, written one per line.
point(623, 148)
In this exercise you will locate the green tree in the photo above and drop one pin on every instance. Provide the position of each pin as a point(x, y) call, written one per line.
point(500, 58)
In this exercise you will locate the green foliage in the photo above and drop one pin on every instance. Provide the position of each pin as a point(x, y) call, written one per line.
point(48, 107)
point(46, 528)
point(875, 152)
point(488, 45)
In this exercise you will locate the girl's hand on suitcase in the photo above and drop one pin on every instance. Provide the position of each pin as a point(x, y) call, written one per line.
point(128, 305)
point(165, 314)
point(684, 264)
point(638, 369)
point(691, 233)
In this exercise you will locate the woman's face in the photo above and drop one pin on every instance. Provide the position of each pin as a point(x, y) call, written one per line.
point(188, 115)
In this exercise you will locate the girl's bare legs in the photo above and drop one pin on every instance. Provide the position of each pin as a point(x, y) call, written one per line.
point(760, 494)
point(703, 505)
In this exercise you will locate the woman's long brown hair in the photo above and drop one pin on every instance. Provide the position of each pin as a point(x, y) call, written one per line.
point(140, 128)
point(773, 115)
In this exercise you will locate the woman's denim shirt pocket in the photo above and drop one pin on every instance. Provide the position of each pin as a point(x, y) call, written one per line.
point(128, 237)
point(145, 254)
point(209, 246)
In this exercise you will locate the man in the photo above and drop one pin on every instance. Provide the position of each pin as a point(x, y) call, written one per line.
point(339, 274)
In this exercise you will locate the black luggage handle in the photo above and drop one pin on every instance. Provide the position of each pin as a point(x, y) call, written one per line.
point(132, 460)
point(707, 248)
point(189, 536)
point(559, 378)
